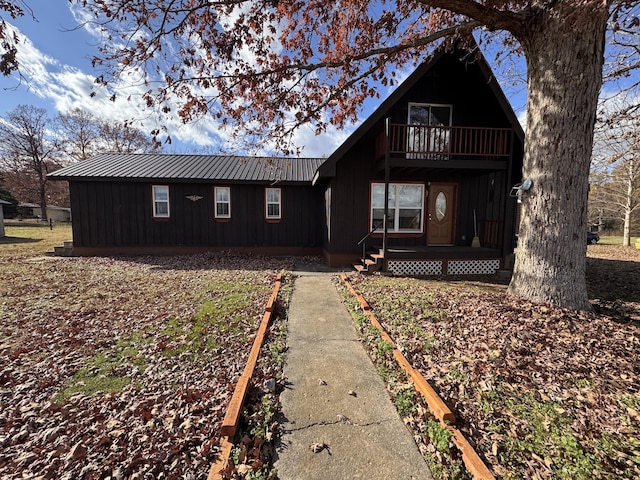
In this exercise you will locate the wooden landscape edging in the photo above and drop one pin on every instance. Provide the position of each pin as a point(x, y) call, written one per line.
point(234, 410)
point(441, 411)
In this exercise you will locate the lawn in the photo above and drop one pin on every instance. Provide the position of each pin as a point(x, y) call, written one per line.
point(541, 392)
point(33, 239)
point(121, 367)
point(615, 240)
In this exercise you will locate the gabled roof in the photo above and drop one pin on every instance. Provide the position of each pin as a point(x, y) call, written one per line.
point(327, 169)
point(188, 168)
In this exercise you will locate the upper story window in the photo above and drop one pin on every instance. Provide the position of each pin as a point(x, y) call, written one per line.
point(223, 202)
point(160, 201)
point(273, 203)
point(406, 207)
point(428, 132)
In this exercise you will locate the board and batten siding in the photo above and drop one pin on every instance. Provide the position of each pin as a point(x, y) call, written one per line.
point(120, 214)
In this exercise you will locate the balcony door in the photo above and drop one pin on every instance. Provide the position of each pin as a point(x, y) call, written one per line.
point(441, 213)
point(428, 131)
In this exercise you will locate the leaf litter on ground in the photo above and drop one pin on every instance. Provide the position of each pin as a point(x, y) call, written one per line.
point(541, 392)
point(122, 367)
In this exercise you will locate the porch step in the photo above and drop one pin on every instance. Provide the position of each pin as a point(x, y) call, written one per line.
point(369, 265)
point(64, 251)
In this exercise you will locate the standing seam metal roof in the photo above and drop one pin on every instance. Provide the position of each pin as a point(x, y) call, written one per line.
point(154, 166)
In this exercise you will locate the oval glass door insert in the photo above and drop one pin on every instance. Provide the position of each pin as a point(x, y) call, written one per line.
point(441, 206)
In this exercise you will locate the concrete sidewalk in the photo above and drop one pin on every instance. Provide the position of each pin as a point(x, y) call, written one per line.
point(335, 397)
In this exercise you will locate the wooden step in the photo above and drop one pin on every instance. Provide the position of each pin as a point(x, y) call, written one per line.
point(63, 251)
point(360, 268)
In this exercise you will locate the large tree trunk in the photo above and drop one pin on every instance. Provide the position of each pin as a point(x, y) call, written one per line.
point(564, 51)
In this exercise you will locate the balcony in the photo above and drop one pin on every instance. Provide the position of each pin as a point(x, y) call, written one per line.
point(424, 142)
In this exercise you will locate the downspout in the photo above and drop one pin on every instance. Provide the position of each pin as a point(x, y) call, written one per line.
point(386, 194)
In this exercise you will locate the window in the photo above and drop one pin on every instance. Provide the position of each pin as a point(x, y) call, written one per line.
point(428, 131)
point(406, 206)
point(223, 202)
point(273, 203)
point(161, 201)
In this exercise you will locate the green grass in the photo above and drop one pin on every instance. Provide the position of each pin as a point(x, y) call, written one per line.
point(220, 316)
point(102, 372)
point(616, 240)
point(31, 240)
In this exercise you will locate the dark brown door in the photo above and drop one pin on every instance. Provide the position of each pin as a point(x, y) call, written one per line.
point(441, 214)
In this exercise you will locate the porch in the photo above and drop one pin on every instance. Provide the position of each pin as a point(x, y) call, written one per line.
point(435, 143)
point(437, 260)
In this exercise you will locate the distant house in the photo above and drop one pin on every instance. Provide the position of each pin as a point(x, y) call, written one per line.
point(54, 213)
point(445, 148)
point(2, 203)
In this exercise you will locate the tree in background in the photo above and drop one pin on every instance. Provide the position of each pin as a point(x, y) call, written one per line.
point(78, 131)
point(122, 138)
point(28, 151)
point(615, 171)
point(85, 135)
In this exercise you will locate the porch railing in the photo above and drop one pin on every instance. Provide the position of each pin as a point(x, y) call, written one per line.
point(424, 142)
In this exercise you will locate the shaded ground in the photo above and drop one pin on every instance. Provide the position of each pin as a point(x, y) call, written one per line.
point(541, 392)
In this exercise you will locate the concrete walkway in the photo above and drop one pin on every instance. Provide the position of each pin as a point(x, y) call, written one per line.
point(335, 398)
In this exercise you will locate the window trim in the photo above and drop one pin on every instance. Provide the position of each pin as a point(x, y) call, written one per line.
point(267, 203)
point(215, 203)
point(396, 230)
point(155, 201)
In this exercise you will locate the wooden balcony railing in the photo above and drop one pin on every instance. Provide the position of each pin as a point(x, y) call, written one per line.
point(439, 142)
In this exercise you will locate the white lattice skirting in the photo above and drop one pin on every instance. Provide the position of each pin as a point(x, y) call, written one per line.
point(436, 267)
point(415, 267)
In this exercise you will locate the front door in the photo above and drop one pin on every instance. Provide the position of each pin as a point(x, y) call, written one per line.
point(441, 213)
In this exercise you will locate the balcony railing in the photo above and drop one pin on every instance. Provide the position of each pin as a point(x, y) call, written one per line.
point(440, 142)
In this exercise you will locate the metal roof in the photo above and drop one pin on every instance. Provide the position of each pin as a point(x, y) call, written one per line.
point(183, 168)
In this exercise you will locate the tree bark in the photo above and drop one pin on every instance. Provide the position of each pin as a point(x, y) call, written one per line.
point(564, 52)
point(626, 229)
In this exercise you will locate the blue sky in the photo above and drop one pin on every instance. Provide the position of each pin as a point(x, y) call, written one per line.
point(56, 61)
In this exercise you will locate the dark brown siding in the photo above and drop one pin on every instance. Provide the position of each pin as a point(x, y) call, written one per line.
point(111, 214)
point(485, 190)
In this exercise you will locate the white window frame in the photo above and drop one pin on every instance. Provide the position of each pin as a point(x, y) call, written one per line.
point(216, 202)
point(157, 201)
point(395, 207)
point(268, 203)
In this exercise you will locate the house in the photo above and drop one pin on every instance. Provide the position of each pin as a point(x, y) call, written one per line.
point(450, 147)
point(2, 203)
point(54, 213)
point(445, 149)
point(165, 203)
